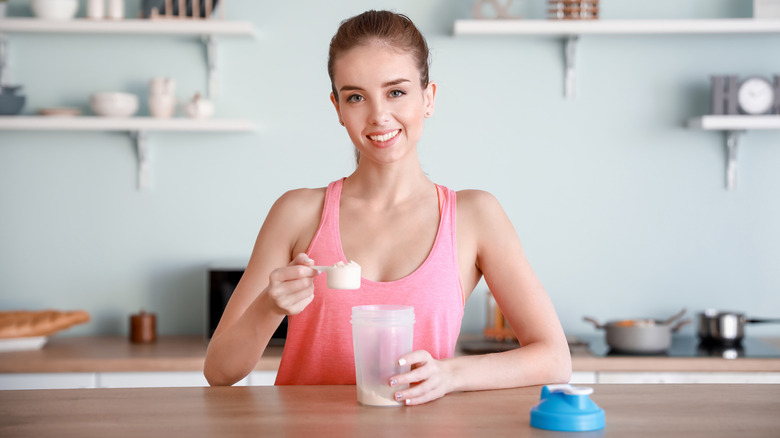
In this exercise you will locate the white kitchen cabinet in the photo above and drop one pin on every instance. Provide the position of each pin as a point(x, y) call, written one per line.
point(583, 377)
point(155, 379)
point(48, 380)
point(262, 378)
point(687, 377)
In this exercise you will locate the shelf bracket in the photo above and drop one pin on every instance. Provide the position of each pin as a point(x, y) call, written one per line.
point(142, 154)
point(569, 53)
point(210, 42)
point(4, 63)
point(732, 143)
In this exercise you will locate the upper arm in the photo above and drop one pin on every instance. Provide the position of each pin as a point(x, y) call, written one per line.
point(290, 225)
point(501, 260)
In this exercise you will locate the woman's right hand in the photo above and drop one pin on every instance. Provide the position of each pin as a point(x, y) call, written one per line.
point(291, 288)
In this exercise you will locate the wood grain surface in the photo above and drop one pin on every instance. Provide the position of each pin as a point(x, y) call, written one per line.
point(689, 411)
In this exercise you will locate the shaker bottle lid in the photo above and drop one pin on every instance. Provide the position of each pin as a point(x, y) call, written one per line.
point(567, 408)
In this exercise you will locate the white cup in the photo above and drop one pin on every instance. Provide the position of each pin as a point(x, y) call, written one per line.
point(162, 106)
point(162, 86)
point(96, 9)
point(381, 334)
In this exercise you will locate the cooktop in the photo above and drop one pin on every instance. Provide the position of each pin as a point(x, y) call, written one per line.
point(690, 346)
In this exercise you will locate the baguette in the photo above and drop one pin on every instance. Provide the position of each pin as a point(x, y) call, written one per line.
point(23, 323)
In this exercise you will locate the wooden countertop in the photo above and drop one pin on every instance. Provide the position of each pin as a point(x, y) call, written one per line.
point(115, 353)
point(186, 353)
point(635, 411)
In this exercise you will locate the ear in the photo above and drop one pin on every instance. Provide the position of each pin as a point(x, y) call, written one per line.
point(429, 97)
point(336, 105)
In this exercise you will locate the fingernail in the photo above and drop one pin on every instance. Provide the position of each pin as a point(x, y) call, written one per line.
point(401, 362)
point(308, 260)
point(399, 396)
point(393, 382)
point(408, 401)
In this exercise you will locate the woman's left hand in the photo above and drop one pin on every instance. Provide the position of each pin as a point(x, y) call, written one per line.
point(429, 378)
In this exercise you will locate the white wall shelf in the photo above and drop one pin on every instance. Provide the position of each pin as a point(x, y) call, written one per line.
point(129, 26)
point(95, 123)
point(564, 28)
point(733, 127)
point(136, 127)
point(570, 31)
point(206, 30)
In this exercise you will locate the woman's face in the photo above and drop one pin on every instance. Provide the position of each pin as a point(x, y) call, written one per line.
point(380, 101)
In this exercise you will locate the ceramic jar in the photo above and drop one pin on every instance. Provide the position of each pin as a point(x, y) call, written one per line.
point(162, 97)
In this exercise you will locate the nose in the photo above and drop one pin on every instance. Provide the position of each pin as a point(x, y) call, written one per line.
point(380, 113)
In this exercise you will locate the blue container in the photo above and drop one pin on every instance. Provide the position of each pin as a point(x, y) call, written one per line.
point(568, 409)
point(11, 103)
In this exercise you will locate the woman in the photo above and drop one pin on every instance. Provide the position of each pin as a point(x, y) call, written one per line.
point(418, 244)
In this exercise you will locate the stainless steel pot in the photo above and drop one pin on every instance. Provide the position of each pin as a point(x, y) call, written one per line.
point(642, 336)
point(722, 327)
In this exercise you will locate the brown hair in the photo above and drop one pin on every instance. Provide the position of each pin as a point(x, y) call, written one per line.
point(395, 29)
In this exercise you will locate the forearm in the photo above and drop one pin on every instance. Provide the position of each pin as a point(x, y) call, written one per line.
point(234, 351)
point(535, 364)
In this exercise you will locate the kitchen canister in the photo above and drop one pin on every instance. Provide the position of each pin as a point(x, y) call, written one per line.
point(381, 334)
point(143, 328)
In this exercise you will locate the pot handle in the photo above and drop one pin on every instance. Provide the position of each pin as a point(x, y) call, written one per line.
point(675, 317)
point(593, 321)
point(753, 320)
point(680, 324)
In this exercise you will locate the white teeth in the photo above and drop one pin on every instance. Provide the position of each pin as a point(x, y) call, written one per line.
point(385, 137)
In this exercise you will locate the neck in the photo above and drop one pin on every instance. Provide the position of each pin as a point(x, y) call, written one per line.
point(384, 185)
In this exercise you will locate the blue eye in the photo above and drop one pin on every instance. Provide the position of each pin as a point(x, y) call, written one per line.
point(397, 93)
point(355, 98)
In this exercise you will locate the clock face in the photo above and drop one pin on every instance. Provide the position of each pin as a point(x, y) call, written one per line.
point(756, 96)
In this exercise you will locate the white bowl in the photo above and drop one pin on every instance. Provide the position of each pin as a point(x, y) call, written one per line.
point(54, 9)
point(114, 104)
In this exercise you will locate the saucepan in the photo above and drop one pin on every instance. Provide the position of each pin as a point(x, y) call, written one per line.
point(640, 336)
point(723, 327)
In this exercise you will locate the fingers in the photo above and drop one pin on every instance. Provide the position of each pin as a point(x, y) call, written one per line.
point(302, 259)
point(428, 379)
point(291, 287)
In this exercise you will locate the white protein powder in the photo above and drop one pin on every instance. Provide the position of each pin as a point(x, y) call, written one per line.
point(374, 397)
point(344, 276)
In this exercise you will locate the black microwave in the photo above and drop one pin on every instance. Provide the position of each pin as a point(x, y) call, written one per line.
point(222, 281)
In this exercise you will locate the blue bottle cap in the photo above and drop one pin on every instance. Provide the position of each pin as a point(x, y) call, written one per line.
point(567, 408)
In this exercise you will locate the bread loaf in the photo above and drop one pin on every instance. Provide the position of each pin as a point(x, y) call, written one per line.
point(23, 323)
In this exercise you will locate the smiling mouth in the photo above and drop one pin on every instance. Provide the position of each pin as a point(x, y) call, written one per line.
point(384, 137)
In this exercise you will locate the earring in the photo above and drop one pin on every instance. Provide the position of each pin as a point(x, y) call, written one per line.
point(427, 114)
point(342, 123)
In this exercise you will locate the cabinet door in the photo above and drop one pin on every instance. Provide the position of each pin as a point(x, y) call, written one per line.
point(262, 378)
point(582, 377)
point(47, 380)
point(688, 377)
point(155, 379)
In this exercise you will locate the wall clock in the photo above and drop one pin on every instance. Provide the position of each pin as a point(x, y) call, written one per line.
point(756, 95)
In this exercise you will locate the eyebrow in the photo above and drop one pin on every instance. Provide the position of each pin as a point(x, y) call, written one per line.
point(385, 85)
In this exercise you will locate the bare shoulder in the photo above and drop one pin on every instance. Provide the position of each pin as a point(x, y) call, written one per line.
point(298, 203)
point(477, 205)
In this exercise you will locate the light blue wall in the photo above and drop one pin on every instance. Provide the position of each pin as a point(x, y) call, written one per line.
point(622, 210)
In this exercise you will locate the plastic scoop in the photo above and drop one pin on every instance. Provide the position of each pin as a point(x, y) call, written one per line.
point(342, 275)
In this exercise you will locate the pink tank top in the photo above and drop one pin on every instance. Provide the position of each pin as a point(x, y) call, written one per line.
point(318, 350)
